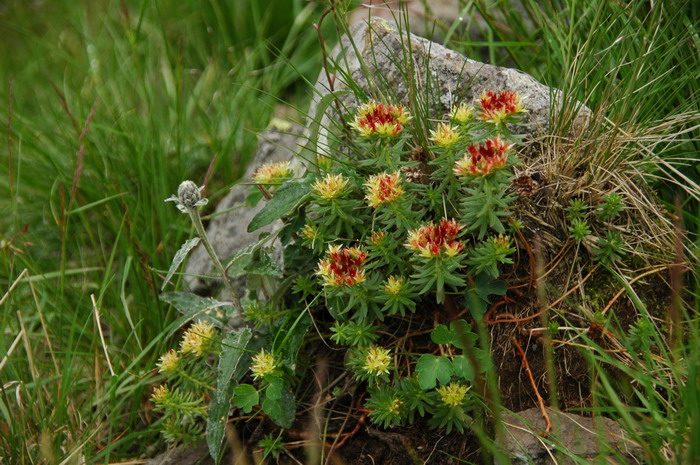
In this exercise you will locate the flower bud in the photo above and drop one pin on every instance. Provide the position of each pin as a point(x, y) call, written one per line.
point(188, 194)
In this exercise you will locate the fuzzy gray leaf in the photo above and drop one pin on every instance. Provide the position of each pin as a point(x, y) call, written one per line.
point(179, 258)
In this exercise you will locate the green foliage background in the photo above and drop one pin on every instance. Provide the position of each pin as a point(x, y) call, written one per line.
point(146, 93)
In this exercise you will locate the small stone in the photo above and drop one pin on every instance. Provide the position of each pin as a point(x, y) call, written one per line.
point(587, 438)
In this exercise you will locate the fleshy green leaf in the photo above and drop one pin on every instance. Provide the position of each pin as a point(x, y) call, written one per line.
point(283, 410)
point(431, 368)
point(233, 364)
point(178, 259)
point(245, 397)
point(286, 198)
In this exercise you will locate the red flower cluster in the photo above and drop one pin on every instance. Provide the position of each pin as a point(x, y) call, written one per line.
point(383, 188)
point(483, 159)
point(343, 267)
point(497, 107)
point(378, 119)
point(432, 240)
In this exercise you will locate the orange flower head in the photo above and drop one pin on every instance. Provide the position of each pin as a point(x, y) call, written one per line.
point(496, 108)
point(376, 119)
point(342, 266)
point(377, 237)
point(383, 188)
point(433, 240)
point(483, 159)
point(445, 135)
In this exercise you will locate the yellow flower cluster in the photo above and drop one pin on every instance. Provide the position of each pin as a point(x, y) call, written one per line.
point(377, 237)
point(168, 362)
point(264, 363)
point(160, 394)
point(462, 113)
point(445, 135)
point(197, 338)
point(309, 232)
point(330, 187)
point(381, 120)
point(393, 285)
point(377, 361)
point(273, 173)
point(395, 406)
point(453, 394)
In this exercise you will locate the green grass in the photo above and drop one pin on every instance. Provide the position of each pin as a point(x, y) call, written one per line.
point(136, 96)
point(106, 107)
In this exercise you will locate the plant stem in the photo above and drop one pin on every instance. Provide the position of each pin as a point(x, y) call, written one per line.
point(197, 221)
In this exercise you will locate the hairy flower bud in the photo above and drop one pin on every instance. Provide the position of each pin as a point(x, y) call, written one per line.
point(188, 196)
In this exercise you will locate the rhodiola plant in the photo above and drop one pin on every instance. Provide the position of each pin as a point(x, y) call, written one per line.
point(375, 239)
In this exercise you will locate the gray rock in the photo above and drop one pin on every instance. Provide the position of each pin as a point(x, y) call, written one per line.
point(422, 14)
point(228, 231)
point(434, 18)
point(585, 438)
point(194, 454)
point(380, 60)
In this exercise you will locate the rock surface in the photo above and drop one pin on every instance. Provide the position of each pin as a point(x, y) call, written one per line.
point(196, 454)
point(228, 231)
point(381, 62)
point(524, 439)
point(421, 13)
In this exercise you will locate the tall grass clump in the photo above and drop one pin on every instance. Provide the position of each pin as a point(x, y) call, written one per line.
point(105, 106)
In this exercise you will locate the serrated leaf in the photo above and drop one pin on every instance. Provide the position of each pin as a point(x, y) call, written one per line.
point(283, 410)
point(486, 286)
point(246, 397)
point(233, 364)
point(455, 335)
point(462, 333)
point(179, 258)
point(442, 335)
point(191, 305)
point(431, 368)
point(286, 198)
